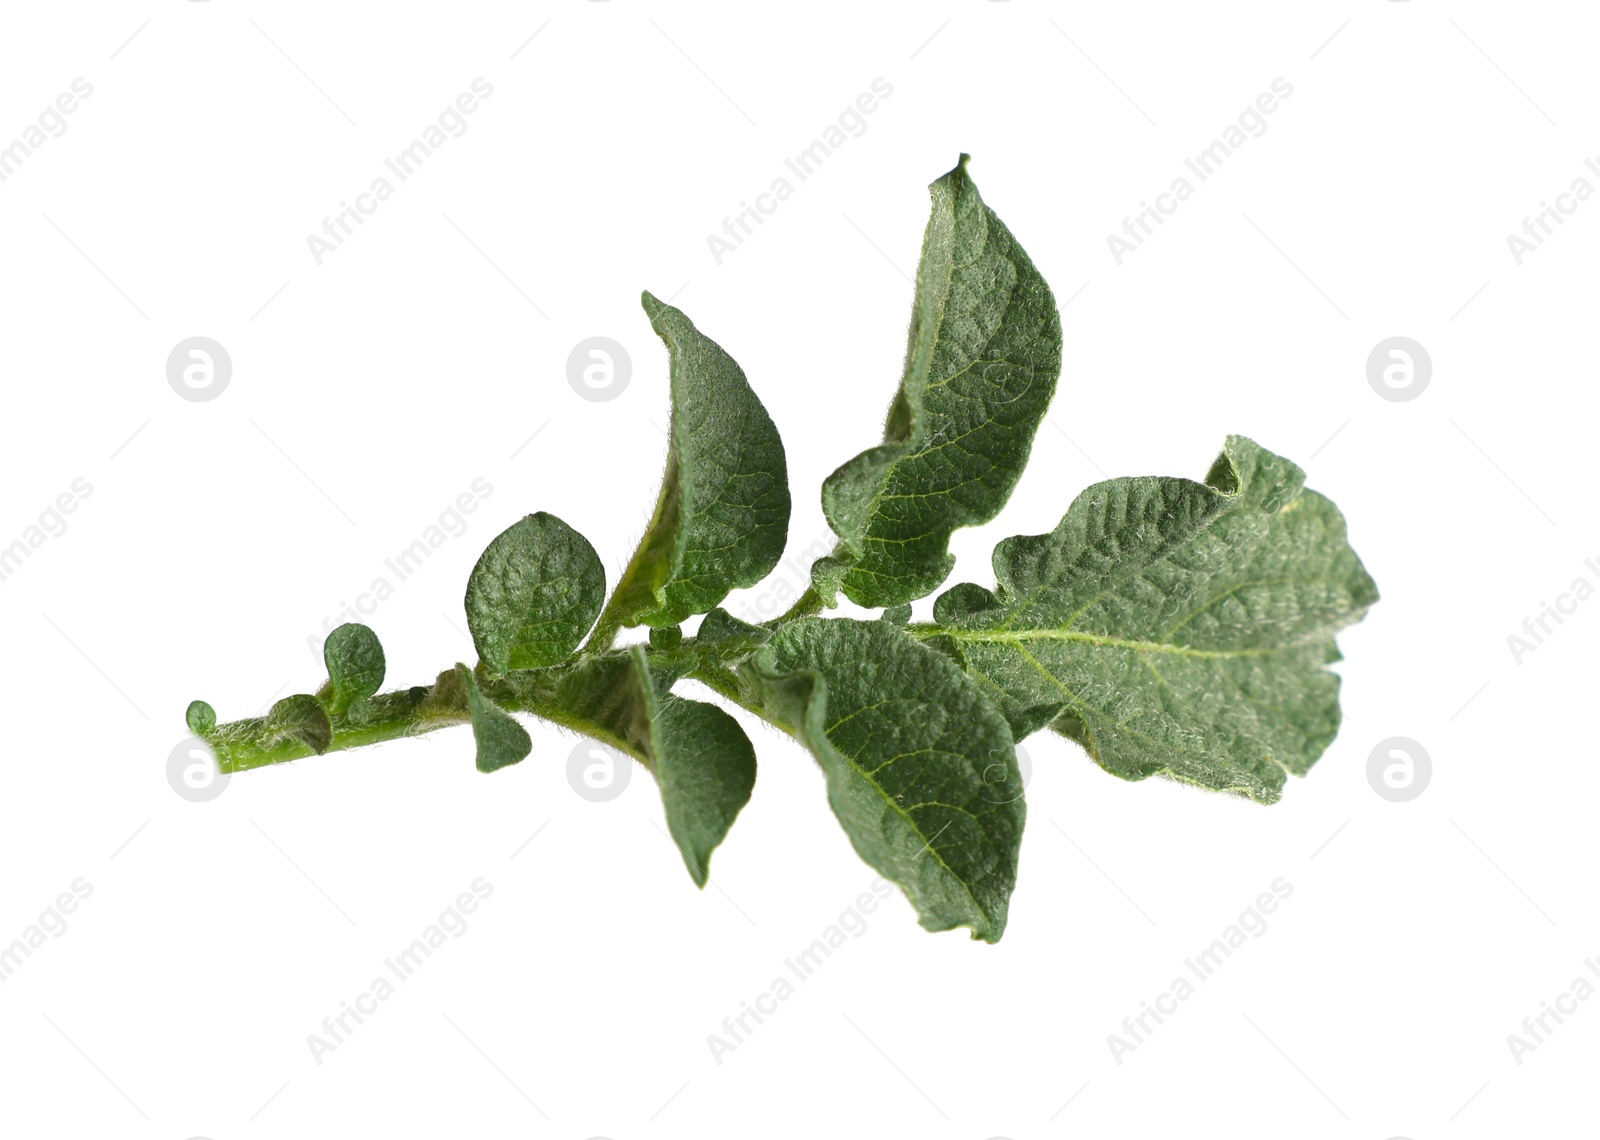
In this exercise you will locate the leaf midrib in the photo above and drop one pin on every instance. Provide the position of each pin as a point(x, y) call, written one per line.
point(852, 761)
point(1012, 637)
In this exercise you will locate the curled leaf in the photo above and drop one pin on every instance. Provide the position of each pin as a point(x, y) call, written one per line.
point(981, 369)
point(723, 512)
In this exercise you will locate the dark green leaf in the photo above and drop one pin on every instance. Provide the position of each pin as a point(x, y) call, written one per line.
point(981, 368)
point(1173, 627)
point(300, 718)
point(666, 637)
point(706, 768)
point(501, 740)
point(723, 512)
point(600, 696)
point(533, 594)
point(355, 664)
point(728, 634)
point(698, 754)
point(905, 740)
point(897, 615)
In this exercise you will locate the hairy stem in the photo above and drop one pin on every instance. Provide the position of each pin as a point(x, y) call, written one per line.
point(252, 743)
point(255, 743)
point(808, 603)
point(604, 634)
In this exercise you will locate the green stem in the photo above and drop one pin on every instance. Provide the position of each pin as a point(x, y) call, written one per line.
point(255, 743)
point(808, 603)
point(245, 744)
point(604, 634)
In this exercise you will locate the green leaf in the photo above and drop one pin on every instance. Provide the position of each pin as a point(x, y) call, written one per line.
point(706, 768)
point(700, 757)
point(666, 637)
point(728, 635)
point(300, 718)
point(723, 513)
point(501, 740)
point(897, 615)
point(447, 701)
point(201, 718)
point(598, 695)
point(905, 740)
point(354, 658)
point(981, 368)
point(1173, 627)
point(533, 594)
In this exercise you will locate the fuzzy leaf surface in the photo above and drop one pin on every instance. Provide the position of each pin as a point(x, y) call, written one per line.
point(706, 767)
point(300, 719)
point(1173, 627)
point(918, 763)
point(354, 658)
point(501, 740)
point(533, 594)
point(701, 759)
point(980, 371)
point(723, 512)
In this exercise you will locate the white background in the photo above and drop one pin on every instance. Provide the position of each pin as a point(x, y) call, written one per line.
point(371, 390)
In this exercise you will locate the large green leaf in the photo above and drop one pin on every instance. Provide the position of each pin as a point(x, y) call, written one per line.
point(723, 513)
point(1173, 627)
point(533, 594)
point(917, 762)
point(700, 757)
point(981, 368)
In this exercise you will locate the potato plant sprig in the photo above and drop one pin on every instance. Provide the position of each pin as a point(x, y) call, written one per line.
point(1170, 627)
